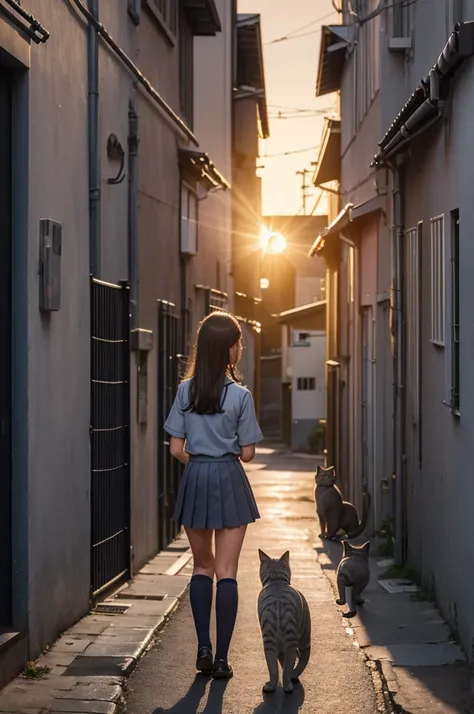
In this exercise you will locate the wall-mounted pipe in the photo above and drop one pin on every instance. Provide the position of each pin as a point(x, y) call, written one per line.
point(133, 213)
point(93, 128)
point(398, 356)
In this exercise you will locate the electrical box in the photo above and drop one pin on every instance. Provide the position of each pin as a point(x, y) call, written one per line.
point(50, 265)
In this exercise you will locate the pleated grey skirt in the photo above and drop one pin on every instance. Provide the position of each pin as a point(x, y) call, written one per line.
point(215, 493)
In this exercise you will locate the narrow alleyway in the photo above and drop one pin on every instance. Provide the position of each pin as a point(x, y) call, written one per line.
point(336, 680)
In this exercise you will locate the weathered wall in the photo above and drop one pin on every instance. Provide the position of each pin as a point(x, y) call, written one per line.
point(158, 262)
point(59, 344)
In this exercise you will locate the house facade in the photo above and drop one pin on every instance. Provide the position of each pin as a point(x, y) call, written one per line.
point(100, 113)
point(414, 89)
point(303, 376)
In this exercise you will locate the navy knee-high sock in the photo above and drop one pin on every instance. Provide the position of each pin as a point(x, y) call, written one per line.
point(200, 594)
point(227, 600)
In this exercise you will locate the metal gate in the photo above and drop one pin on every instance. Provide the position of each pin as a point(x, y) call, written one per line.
point(110, 434)
point(169, 469)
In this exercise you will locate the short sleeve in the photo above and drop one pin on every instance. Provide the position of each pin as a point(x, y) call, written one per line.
point(248, 430)
point(175, 424)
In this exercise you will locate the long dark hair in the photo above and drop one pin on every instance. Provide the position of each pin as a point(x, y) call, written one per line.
point(211, 363)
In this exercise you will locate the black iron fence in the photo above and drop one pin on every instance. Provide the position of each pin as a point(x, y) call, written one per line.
point(169, 469)
point(110, 434)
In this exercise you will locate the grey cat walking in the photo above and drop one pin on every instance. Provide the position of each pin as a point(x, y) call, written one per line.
point(285, 622)
point(353, 572)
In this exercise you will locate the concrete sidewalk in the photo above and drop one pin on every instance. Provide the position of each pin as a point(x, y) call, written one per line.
point(86, 669)
point(424, 671)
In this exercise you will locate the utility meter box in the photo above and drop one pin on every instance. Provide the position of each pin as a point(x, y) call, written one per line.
point(51, 234)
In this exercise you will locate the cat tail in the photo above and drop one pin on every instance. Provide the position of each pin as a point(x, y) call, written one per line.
point(365, 515)
point(303, 659)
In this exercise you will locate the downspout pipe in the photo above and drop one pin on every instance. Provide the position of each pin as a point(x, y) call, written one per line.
point(93, 129)
point(133, 214)
point(398, 356)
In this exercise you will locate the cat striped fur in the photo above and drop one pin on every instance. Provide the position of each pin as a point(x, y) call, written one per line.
point(285, 622)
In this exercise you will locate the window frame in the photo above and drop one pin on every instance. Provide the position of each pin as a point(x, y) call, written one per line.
point(188, 217)
point(306, 384)
point(166, 12)
point(438, 281)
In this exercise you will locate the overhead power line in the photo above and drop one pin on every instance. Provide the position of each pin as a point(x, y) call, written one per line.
point(293, 34)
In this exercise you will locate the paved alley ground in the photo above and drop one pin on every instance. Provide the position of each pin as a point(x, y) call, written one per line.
point(337, 679)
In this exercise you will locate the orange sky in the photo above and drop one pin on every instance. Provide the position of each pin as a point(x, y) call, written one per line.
point(290, 70)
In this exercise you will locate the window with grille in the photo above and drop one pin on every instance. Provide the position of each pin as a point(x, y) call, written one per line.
point(306, 384)
point(437, 281)
point(413, 304)
point(455, 344)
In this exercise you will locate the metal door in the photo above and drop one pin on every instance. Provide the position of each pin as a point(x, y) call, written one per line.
point(110, 434)
point(168, 468)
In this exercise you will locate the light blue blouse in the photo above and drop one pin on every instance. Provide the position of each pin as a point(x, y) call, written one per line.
point(215, 434)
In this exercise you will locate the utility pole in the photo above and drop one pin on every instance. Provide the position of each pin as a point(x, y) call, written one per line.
point(304, 186)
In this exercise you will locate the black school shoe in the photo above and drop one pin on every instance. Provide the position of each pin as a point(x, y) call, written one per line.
point(222, 670)
point(204, 662)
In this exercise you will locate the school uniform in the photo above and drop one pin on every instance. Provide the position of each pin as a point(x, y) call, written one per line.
point(214, 491)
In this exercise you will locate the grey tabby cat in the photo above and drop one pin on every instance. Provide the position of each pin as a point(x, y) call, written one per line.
point(353, 572)
point(335, 514)
point(285, 622)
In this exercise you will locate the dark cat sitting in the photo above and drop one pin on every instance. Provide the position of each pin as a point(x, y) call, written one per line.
point(335, 514)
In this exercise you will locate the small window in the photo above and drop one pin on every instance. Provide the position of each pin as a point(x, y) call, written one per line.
point(189, 221)
point(303, 337)
point(306, 384)
point(437, 281)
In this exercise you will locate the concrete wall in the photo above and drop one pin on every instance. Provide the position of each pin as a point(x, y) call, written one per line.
point(58, 345)
point(158, 262)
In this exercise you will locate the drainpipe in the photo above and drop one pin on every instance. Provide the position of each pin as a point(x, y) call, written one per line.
point(133, 213)
point(94, 156)
point(398, 355)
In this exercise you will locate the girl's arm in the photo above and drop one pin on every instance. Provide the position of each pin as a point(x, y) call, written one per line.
point(177, 449)
point(247, 453)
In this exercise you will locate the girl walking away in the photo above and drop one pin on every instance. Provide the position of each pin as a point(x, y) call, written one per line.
point(213, 427)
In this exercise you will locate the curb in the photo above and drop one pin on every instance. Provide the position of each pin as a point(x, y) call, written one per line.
point(385, 701)
point(87, 668)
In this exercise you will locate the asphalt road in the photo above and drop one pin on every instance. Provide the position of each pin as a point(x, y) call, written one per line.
point(336, 681)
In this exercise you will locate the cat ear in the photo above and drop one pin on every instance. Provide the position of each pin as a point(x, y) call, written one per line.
point(346, 548)
point(263, 556)
point(285, 557)
point(318, 469)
